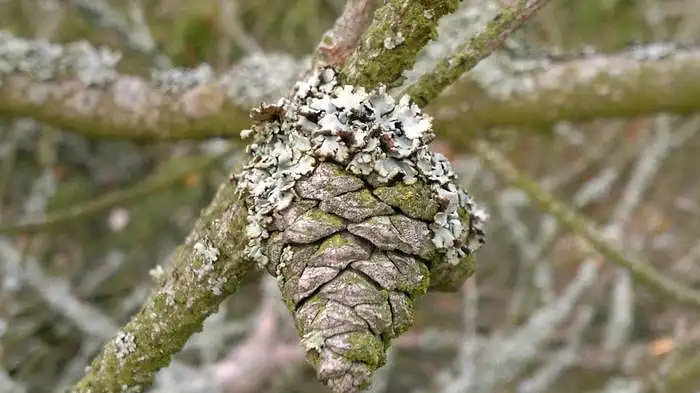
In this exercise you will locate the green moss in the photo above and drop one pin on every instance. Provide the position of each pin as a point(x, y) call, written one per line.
point(385, 294)
point(446, 277)
point(367, 348)
point(314, 358)
point(415, 21)
point(366, 197)
point(291, 306)
point(415, 200)
point(334, 241)
point(320, 215)
point(415, 291)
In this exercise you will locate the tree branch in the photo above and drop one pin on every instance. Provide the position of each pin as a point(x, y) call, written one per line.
point(470, 53)
point(577, 224)
point(638, 82)
point(205, 270)
point(77, 87)
point(338, 43)
point(138, 37)
point(391, 43)
point(656, 78)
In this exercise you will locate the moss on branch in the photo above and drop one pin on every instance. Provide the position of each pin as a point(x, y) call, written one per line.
point(76, 86)
point(400, 29)
point(206, 269)
point(470, 53)
point(625, 84)
point(130, 108)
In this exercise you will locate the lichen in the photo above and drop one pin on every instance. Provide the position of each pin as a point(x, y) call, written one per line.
point(387, 140)
point(45, 61)
point(124, 344)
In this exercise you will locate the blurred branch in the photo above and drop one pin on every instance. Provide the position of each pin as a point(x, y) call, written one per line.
point(232, 26)
point(338, 43)
point(647, 80)
point(77, 87)
point(468, 54)
point(165, 178)
point(683, 376)
point(55, 292)
point(251, 364)
point(399, 31)
point(8, 385)
point(138, 37)
point(620, 321)
point(577, 224)
point(556, 364)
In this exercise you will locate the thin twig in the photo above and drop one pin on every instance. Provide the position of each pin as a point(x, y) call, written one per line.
point(146, 187)
point(469, 54)
point(339, 42)
point(574, 222)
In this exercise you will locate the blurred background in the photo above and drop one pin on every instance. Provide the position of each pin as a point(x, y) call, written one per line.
point(85, 221)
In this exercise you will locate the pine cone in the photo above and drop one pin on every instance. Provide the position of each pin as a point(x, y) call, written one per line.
point(355, 217)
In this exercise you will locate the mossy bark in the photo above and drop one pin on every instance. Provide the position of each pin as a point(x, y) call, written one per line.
point(400, 29)
point(600, 86)
point(206, 269)
point(470, 53)
point(128, 108)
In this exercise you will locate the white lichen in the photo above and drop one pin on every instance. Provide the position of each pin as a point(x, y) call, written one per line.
point(208, 254)
point(179, 80)
point(124, 345)
point(313, 341)
point(206, 251)
point(156, 273)
point(391, 42)
point(262, 77)
point(44, 61)
point(216, 285)
point(367, 132)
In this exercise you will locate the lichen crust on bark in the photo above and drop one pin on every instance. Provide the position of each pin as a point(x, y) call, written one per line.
point(355, 216)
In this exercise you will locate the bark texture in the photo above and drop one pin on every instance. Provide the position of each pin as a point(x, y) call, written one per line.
point(355, 217)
